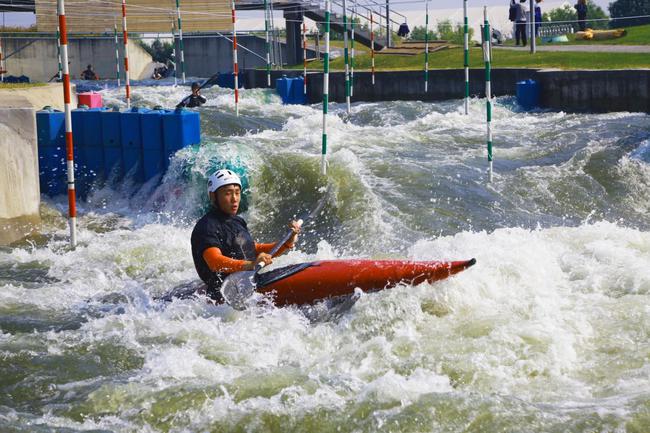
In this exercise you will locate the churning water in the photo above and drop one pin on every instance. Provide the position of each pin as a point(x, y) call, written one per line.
point(549, 332)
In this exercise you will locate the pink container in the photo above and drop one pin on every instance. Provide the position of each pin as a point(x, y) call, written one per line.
point(91, 99)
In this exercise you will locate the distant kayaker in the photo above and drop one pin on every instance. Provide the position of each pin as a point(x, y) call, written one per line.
point(221, 242)
point(195, 99)
point(89, 74)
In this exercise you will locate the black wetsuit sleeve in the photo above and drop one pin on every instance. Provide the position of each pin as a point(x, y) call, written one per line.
point(202, 99)
point(183, 103)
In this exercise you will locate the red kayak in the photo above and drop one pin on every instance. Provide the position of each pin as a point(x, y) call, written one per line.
point(307, 283)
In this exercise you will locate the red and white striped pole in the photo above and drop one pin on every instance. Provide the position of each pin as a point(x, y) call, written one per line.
point(234, 58)
point(126, 56)
point(2, 64)
point(304, 55)
point(372, 48)
point(72, 200)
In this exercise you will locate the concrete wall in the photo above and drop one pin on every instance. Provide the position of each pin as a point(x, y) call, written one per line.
point(40, 96)
point(206, 56)
point(19, 190)
point(37, 58)
point(573, 91)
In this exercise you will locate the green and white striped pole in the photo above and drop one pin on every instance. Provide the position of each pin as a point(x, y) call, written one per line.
point(58, 52)
point(354, 14)
point(117, 55)
point(466, 55)
point(326, 86)
point(426, 49)
point(180, 39)
point(174, 52)
point(268, 43)
point(488, 89)
point(346, 55)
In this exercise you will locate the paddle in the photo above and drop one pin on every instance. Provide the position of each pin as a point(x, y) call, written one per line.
point(239, 286)
point(210, 80)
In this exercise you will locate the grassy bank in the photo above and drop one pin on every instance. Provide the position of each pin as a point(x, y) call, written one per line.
point(20, 85)
point(453, 58)
point(637, 35)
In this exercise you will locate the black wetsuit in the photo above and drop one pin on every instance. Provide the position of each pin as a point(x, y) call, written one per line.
point(228, 233)
point(192, 101)
point(88, 75)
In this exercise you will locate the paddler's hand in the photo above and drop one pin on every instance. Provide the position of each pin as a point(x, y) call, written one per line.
point(295, 228)
point(264, 258)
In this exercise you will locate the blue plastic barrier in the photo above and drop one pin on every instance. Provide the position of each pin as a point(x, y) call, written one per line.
point(109, 145)
point(528, 94)
point(181, 128)
point(153, 153)
point(131, 137)
point(283, 87)
point(50, 130)
point(297, 91)
point(90, 147)
point(291, 90)
point(112, 144)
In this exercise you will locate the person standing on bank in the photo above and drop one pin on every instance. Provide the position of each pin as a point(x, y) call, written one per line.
point(581, 9)
point(538, 17)
point(520, 23)
point(221, 242)
point(195, 99)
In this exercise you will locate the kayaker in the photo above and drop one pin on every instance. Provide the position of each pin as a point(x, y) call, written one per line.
point(89, 74)
point(195, 99)
point(221, 242)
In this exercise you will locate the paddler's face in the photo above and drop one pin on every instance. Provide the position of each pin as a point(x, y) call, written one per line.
point(228, 198)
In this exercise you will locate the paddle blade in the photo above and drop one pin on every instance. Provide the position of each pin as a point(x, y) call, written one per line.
point(237, 288)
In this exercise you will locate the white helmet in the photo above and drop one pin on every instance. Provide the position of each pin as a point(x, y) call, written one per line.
point(222, 178)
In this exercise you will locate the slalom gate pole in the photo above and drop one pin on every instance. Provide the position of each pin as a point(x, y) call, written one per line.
point(346, 55)
point(488, 88)
point(326, 85)
point(72, 200)
point(126, 56)
point(426, 48)
point(268, 44)
point(466, 55)
point(58, 52)
point(235, 66)
point(304, 55)
point(180, 39)
point(2, 62)
point(117, 55)
point(372, 49)
point(354, 13)
point(174, 53)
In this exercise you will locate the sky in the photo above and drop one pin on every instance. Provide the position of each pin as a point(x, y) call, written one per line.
point(440, 9)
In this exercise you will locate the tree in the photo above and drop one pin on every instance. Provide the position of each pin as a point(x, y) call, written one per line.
point(418, 33)
point(453, 33)
point(568, 13)
point(629, 8)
